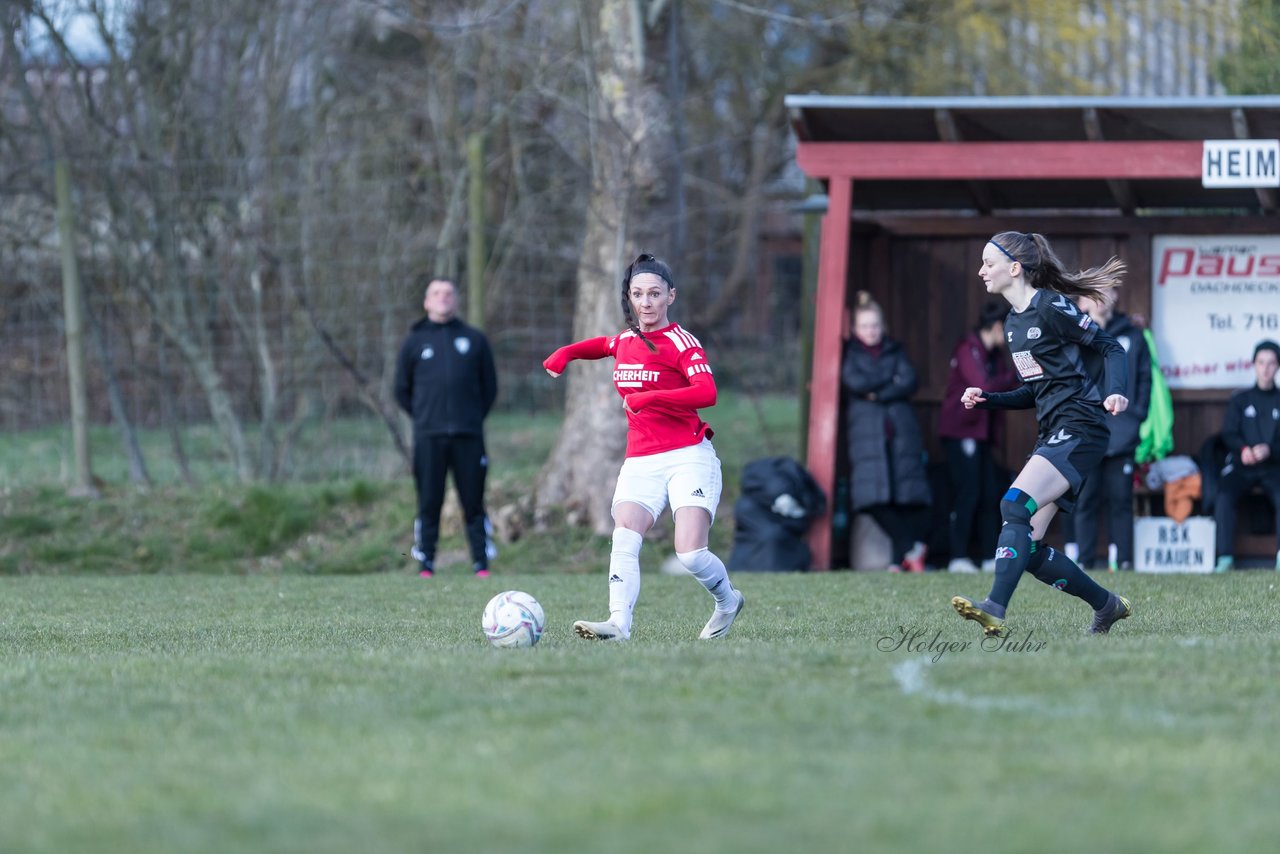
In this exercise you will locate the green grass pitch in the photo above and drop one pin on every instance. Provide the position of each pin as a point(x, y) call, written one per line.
point(367, 713)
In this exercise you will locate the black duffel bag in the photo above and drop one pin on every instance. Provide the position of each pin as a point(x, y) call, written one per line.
point(780, 499)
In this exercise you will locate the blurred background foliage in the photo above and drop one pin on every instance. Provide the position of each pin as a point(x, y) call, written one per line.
point(259, 188)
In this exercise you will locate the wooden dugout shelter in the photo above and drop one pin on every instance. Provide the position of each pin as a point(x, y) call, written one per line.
point(915, 186)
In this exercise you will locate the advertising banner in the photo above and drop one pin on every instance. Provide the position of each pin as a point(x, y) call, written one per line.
point(1212, 299)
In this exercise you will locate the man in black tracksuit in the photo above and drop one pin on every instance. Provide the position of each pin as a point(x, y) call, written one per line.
point(445, 379)
point(1251, 430)
point(1111, 484)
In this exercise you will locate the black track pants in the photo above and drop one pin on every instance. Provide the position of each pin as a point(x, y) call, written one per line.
point(433, 457)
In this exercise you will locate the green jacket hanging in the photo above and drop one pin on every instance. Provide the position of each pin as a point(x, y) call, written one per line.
point(1155, 436)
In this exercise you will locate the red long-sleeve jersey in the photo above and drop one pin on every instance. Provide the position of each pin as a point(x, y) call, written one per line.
point(664, 390)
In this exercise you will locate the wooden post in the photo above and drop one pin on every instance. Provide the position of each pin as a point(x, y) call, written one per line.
point(72, 307)
point(475, 230)
point(814, 204)
point(824, 415)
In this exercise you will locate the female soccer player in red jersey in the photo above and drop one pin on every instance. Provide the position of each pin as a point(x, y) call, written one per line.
point(662, 374)
point(1045, 333)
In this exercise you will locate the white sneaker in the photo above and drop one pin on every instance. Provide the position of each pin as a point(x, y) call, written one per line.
point(606, 631)
point(988, 566)
point(962, 564)
point(718, 625)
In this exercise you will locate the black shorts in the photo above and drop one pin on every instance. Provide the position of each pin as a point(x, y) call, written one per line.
point(1075, 450)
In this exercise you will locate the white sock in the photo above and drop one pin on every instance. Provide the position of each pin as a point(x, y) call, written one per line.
point(710, 572)
point(624, 577)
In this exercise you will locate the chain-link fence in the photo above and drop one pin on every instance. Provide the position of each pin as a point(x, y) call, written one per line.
point(294, 304)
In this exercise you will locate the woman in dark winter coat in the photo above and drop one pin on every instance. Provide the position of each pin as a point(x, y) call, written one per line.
point(886, 451)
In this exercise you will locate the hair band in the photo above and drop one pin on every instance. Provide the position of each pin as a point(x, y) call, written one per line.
point(1007, 253)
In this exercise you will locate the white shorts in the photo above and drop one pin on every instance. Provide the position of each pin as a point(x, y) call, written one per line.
point(685, 477)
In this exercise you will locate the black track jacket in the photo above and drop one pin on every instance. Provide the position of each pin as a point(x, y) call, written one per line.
point(445, 378)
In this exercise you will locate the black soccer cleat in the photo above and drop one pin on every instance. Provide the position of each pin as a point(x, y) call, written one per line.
point(1116, 609)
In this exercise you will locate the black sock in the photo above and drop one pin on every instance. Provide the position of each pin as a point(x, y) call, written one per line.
point(1062, 573)
point(1034, 564)
point(1038, 555)
point(1012, 555)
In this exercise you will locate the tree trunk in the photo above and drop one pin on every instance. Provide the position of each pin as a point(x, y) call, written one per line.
point(138, 474)
point(736, 284)
point(181, 332)
point(630, 138)
point(583, 468)
point(166, 390)
point(72, 306)
point(476, 308)
point(221, 408)
point(268, 376)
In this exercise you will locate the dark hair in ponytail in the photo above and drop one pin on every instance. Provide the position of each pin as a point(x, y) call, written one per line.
point(644, 263)
point(1044, 270)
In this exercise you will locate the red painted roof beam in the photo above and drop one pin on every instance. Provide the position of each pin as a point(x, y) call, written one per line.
point(1001, 161)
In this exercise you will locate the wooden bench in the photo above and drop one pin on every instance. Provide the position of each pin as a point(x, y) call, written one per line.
point(1249, 547)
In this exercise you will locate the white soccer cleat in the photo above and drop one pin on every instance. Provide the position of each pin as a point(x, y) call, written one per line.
point(962, 564)
point(605, 631)
point(718, 625)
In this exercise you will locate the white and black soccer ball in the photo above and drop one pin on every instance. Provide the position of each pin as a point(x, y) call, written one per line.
point(513, 619)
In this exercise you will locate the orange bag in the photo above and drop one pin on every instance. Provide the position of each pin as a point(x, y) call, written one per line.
point(1179, 496)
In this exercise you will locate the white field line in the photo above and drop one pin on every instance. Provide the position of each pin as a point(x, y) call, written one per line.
point(912, 676)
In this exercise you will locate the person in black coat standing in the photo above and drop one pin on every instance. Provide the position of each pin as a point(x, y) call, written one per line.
point(445, 379)
point(886, 449)
point(1111, 484)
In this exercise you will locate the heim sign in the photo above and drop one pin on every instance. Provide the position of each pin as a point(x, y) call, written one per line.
point(1240, 163)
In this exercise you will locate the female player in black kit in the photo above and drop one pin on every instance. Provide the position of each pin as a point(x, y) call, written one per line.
point(1045, 331)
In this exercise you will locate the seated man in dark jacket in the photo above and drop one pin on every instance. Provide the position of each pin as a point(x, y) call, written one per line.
point(1251, 430)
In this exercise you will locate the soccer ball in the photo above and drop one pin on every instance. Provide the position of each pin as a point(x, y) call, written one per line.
point(513, 619)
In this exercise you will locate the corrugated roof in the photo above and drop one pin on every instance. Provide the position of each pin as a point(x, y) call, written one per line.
point(835, 118)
